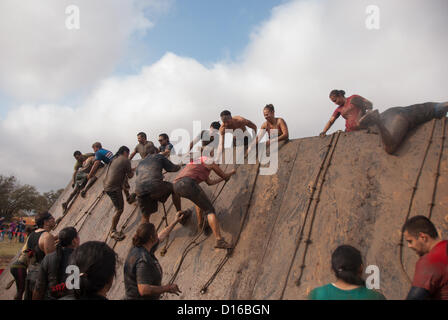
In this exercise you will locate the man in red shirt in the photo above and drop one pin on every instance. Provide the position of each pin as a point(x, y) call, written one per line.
point(431, 270)
point(351, 109)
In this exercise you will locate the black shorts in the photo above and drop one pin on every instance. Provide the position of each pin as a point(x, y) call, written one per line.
point(117, 199)
point(148, 202)
point(190, 189)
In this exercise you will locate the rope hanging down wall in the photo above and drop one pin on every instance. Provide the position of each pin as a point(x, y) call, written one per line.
point(89, 211)
point(194, 242)
point(437, 174)
point(230, 251)
point(411, 200)
point(308, 206)
point(313, 215)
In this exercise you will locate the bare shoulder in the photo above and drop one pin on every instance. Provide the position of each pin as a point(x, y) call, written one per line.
point(281, 121)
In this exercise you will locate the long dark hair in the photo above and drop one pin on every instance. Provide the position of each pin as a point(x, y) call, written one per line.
point(66, 237)
point(96, 262)
point(346, 262)
point(145, 232)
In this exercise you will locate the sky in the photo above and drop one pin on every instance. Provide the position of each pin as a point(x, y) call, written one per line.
point(158, 65)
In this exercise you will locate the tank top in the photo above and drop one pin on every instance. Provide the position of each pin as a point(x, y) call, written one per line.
point(33, 245)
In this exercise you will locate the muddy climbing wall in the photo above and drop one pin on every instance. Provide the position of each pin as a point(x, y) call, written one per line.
point(342, 189)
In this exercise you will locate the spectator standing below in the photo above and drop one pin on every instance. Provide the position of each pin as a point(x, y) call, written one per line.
point(144, 147)
point(50, 282)
point(431, 271)
point(40, 243)
point(142, 271)
point(117, 174)
point(18, 268)
point(166, 148)
point(351, 109)
point(97, 263)
point(347, 265)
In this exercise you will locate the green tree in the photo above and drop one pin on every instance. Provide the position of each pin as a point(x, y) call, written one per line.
point(15, 197)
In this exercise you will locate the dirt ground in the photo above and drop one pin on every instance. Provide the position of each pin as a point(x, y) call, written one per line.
point(8, 251)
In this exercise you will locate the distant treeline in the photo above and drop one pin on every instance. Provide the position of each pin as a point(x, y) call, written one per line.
point(16, 199)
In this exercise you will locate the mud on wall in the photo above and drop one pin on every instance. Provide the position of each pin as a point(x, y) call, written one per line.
point(342, 189)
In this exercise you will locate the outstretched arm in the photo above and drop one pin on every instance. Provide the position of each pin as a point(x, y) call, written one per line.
point(194, 141)
point(95, 167)
point(165, 232)
point(328, 126)
point(223, 175)
point(251, 125)
point(132, 155)
point(221, 142)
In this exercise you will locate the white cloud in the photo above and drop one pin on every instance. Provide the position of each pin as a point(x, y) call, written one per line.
point(306, 49)
point(41, 60)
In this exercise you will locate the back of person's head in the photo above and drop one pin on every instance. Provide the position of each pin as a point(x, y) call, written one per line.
point(96, 262)
point(66, 236)
point(418, 224)
point(76, 153)
point(346, 262)
point(225, 113)
point(152, 150)
point(28, 230)
point(97, 145)
point(269, 107)
point(41, 218)
point(141, 134)
point(215, 125)
point(146, 232)
point(165, 136)
point(122, 150)
point(337, 93)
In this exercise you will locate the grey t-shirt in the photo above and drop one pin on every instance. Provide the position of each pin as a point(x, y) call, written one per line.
point(141, 267)
point(118, 170)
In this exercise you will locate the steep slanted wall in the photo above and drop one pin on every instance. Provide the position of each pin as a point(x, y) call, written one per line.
point(361, 197)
